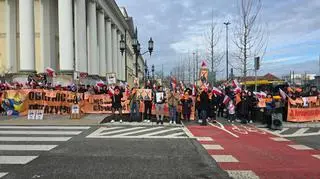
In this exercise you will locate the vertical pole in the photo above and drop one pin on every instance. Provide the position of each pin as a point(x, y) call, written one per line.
point(293, 77)
point(227, 52)
point(125, 57)
point(255, 80)
point(194, 68)
point(137, 63)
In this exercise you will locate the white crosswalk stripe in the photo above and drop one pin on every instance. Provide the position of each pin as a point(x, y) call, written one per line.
point(139, 132)
point(13, 139)
point(295, 132)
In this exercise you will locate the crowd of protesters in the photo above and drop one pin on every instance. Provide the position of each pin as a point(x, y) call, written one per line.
point(231, 102)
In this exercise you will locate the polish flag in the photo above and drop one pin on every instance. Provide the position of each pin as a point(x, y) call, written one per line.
point(50, 72)
point(226, 99)
point(260, 94)
point(194, 90)
point(237, 90)
point(282, 94)
point(235, 83)
point(216, 91)
point(100, 84)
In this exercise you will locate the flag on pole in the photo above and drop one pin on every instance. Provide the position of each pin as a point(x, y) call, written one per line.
point(216, 91)
point(50, 72)
point(226, 99)
point(235, 83)
point(237, 90)
point(282, 94)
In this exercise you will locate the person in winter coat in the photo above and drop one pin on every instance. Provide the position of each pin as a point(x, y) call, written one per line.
point(148, 104)
point(231, 111)
point(270, 107)
point(252, 103)
point(159, 101)
point(116, 102)
point(186, 102)
point(134, 105)
point(244, 108)
point(173, 101)
point(204, 106)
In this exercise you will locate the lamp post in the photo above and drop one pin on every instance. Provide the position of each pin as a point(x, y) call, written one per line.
point(227, 49)
point(123, 48)
point(152, 70)
point(136, 48)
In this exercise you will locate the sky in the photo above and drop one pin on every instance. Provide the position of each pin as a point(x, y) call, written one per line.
point(178, 28)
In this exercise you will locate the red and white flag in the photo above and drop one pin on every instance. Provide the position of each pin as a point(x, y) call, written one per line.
point(260, 94)
point(216, 91)
point(226, 99)
point(237, 90)
point(100, 84)
point(50, 72)
point(283, 94)
point(235, 83)
point(194, 90)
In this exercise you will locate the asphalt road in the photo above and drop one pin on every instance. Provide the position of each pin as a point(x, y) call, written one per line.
point(82, 157)
point(310, 141)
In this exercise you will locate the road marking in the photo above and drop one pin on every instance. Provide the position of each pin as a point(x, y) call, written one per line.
point(140, 131)
point(302, 135)
point(186, 130)
point(224, 129)
point(42, 132)
point(224, 158)
point(16, 159)
point(27, 147)
point(204, 139)
point(43, 127)
point(2, 174)
point(279, 139)
point(300, 131)
point(212, 147)
point(282, 130)
point(98, 131)
point(159, 132)
point(300, 147)
point(175, 134)
point(242, 174)
point(56, 139)
point(316, 156)
point(119, 131)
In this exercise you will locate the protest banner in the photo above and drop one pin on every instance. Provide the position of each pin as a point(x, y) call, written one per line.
point(303, 114)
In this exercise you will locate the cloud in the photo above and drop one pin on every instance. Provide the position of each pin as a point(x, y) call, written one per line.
point(178, 26)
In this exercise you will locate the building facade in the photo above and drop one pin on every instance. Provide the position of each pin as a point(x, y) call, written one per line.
point(66, 35)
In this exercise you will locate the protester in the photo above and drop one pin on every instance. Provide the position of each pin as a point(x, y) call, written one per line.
point(270, 106)
point(173, 102)
point(231, 111)
point(186, 102)
point(116, 103)
point(148, 104)
point(252, 103)
point(134, 105)
point(204, 106)
point(244, 108)
point(159, 103)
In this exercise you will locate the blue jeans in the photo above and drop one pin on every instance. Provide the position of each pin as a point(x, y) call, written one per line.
point(134, 111)
point(173, 113)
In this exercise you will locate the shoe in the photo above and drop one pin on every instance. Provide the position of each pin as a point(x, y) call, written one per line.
point(250, 121)
point(174, 122)
point(232, 121)
point(148, 121)
point(228, 120)
point(170, 122)
point(112, 121)
point(121, 121)
point(237, 120)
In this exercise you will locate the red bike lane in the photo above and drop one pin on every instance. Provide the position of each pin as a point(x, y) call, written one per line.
point(246, 148)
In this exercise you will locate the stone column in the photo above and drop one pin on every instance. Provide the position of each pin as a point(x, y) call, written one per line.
point(27, 46)
point(80, 26)
point(11, 35)
point(66, 51)
point(45, 33)
point(102, 43)
point(109, 45)
point(93, 61)
point(119, 55)
point(114, 50)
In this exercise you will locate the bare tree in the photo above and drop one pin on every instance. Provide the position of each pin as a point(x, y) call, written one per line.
point(250, 36)
point(212, 38)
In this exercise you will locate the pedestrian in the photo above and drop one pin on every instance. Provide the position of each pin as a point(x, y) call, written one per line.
point(148, 103)
point(231, 111)
point(252, 103)
point(221, 105)
point(116, 103)
point(160, 99)
point(186, 102)
point(134, 105)
point(173, 101)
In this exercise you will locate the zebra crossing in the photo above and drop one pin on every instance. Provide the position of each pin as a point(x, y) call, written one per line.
point(295, 132)
point(19, 145)
point(139, 132)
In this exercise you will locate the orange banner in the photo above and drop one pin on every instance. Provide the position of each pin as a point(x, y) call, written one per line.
point(303, 114)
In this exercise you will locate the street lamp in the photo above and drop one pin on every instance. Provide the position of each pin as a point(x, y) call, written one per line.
point(136, 48)
point(152, 70)
point(227, 53)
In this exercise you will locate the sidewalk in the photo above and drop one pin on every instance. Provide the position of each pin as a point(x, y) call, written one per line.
point(89, 119)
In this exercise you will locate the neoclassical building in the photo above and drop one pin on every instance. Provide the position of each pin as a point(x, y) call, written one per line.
point(66, 35)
